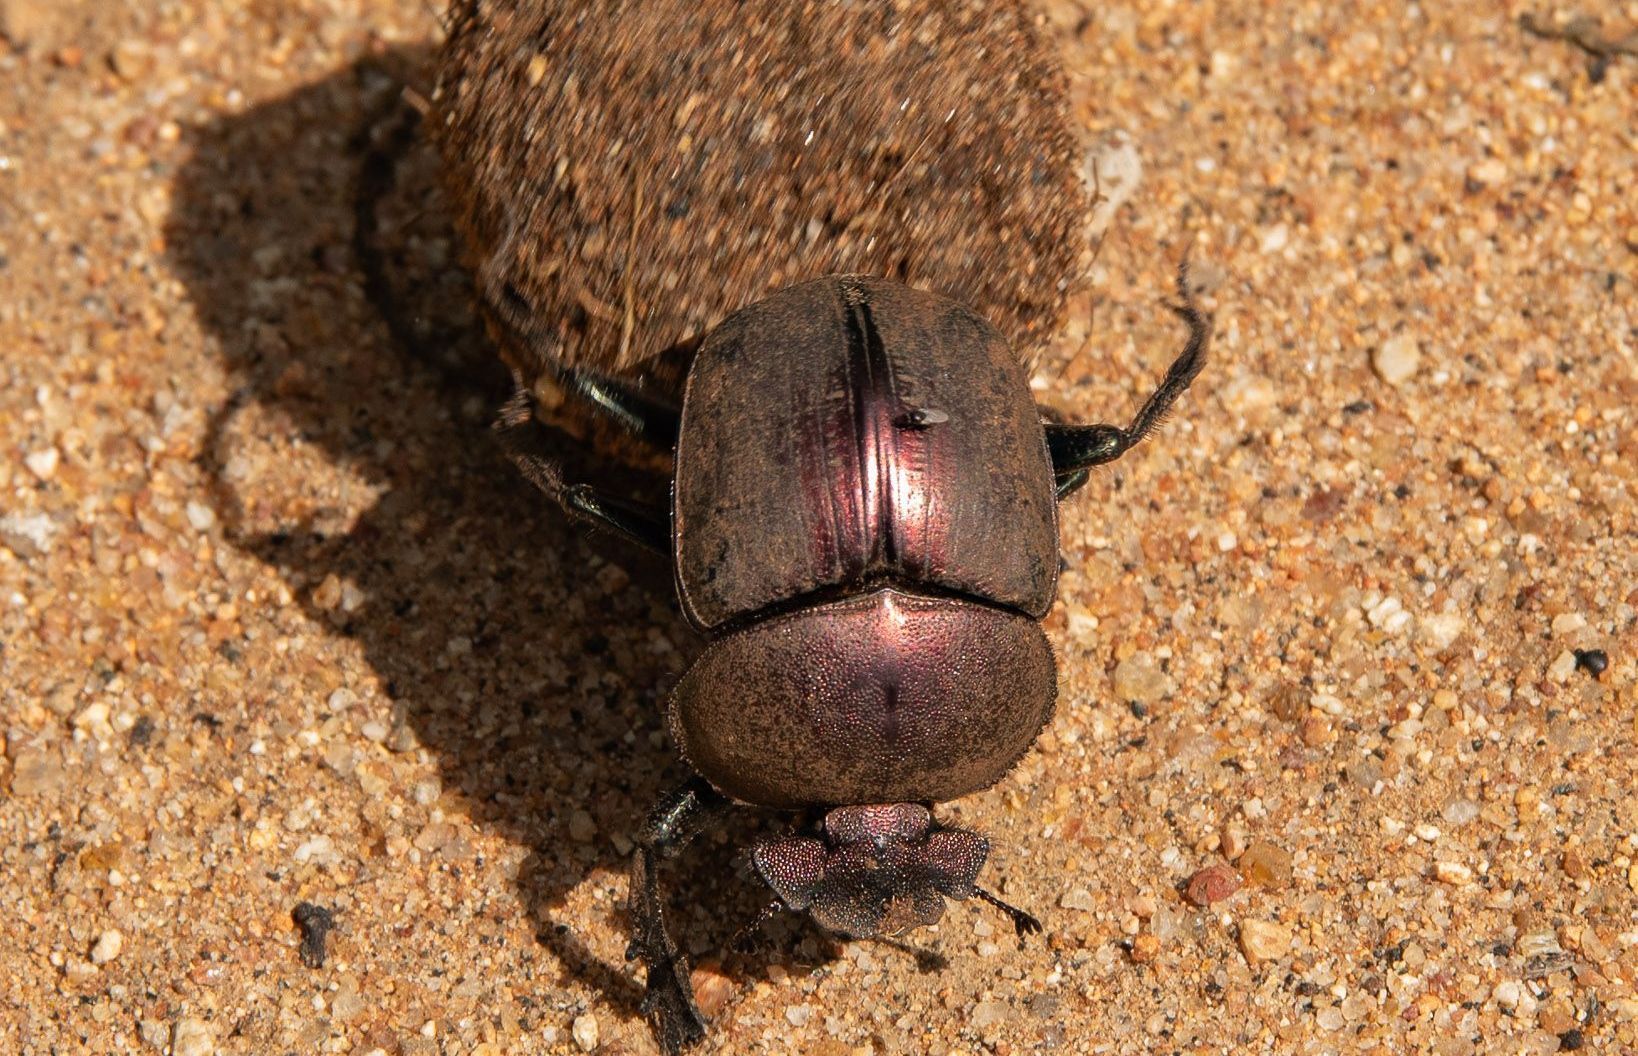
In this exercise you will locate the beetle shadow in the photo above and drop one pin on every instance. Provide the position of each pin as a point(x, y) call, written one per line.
point(505, 643)
point(530, 668)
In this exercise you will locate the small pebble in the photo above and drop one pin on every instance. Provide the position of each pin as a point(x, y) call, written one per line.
point(1458, 812)
point(536, 72)
point(1537, 944)
point(192, 1037)
point(319, 850)
point(201, 516)
point(36, 773)
point(1514, 996)
point(155, 1033)
point(1442, 629)
point(1397, 359)
point(107, 946)
point(712, 988)
point(93, 720)
point(1264, 940)
point(585, 1032)
point(1139, 678)
point(42, 463)
point(328, 594)
point(401, 738)
point(798, 1015)
point(27, 534)
point(1562, 667)
point(1145, 948)
point(1266, 865)
point(582, 829)
point(1452, 873)
point(988, 1013)
point(1249, 395)
point(1568, 623)
point(1487, 173)
point(1389, 615)
point(131, 59)
point(1316, 731)
point(1212, 884)
point(1077, 898)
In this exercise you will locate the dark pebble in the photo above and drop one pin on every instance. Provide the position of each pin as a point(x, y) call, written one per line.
point(315, 923)
point(1592, 661)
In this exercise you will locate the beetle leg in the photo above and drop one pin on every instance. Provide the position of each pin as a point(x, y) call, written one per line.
point(669, 1003)
point(654, 420)
point(1069, 484)
point(644, 415)
point(746, 939)
point(1077, 448)
point(1022, 921)
point(635, 522)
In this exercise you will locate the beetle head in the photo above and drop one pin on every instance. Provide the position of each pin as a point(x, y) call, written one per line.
point(880, 869)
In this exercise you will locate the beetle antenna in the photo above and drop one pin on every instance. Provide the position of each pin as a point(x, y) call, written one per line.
point(1024, 923)
point(745, 940)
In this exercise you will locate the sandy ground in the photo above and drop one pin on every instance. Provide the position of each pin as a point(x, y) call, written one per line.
point(279, 627)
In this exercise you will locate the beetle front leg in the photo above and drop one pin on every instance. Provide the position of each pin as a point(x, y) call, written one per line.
point(669, 1003)
point(1075, 449)
point(654, 419)
point(635, 522)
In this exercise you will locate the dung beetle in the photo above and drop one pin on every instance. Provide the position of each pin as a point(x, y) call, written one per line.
point(863, 518)
point(863, 524)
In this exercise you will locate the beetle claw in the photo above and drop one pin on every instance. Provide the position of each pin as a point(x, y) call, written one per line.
point(669, 1006)
point(1027, 925)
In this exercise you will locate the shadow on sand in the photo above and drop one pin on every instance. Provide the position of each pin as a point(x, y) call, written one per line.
point(550, 699)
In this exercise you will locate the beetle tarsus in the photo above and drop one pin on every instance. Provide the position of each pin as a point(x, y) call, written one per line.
point(669, 1002)
point(1023, 922)
point(1077, 448)
point(669, 1006)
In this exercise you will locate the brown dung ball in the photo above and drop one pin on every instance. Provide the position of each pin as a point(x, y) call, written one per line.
point(626, 174)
